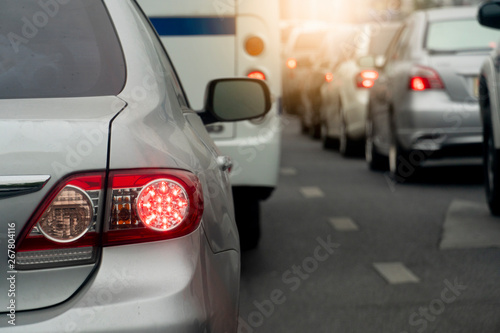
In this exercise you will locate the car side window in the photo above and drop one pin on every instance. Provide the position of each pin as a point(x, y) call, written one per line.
point(165, 60)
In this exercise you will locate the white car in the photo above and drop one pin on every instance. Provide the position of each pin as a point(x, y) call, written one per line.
point(489, 101)
point(345, 98)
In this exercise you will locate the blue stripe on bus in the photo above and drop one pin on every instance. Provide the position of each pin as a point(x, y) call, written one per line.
point(194, 26)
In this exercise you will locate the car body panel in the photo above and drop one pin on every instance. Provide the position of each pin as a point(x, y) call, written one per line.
point(58, 136)
point(188, 284)
point(122, 297)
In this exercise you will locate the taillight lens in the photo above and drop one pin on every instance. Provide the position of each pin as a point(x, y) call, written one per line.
point(329, 77)
point(257, 75)
point(152, 205)
point(142, 206)
point(366, 79)
point(63, 229)
point(423, 78)
point(254, 46)
point(291, 63)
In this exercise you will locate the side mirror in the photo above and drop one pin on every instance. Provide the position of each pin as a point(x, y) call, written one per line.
point(229, 100)
point(489, 15)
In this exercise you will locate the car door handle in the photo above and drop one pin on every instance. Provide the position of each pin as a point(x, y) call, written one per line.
point(224, 163)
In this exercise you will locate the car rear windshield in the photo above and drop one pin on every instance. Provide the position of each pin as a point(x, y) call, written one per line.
point(379, 43)
point(310, 40)
point(460, 35)
point(54, 48)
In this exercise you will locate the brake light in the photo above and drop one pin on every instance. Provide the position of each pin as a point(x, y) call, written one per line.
point(152, 205)
point(423, 78)
point(63, 229)
point(291, 63)
point(142, 206)
point(366, 79)
point(257, 75)
point(328, 77)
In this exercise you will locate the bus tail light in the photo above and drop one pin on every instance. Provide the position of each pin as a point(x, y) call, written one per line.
point(254, 46)
point(257, 75)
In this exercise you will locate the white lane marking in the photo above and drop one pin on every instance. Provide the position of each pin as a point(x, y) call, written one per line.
point(396, 273)
point(312, 192)
point(470, 225)
point(343, 224)
point(288, 171)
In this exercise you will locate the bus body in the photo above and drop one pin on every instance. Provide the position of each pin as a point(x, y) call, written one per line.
point(207, 40)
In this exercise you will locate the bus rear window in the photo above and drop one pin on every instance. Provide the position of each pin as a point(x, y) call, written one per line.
point(51, 50)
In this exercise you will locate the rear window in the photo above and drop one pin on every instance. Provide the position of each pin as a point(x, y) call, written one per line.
point(380, 42)
point(460, 35)
point(310, 41)
point(50, 50)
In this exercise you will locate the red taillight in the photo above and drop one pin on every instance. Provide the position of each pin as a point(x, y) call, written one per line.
point(257, 75)
point(328, 77)
point(141, 206)
point(366, 79)
point(152, 205)
point(423, 78)
point(63, 229)
point(291, 63)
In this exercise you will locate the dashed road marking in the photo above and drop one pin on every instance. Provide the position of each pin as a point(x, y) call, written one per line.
point(470, 225)
point(312, 192)
point(343, 224)
point(288, 171)
point(395, 273)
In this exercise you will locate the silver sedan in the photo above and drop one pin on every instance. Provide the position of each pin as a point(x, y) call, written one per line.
point(425, 103)
point(116, 209)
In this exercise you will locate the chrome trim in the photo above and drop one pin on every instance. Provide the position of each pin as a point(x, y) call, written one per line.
point(18, 185)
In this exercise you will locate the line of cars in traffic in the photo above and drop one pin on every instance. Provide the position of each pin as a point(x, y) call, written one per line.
point(407, 92)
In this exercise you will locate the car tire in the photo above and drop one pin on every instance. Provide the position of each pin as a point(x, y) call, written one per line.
point(491, 165)
point(327, 141)
point(247, 214)
point(403, 164)
point(375, 160)
point(315, 131)
point(347, 147)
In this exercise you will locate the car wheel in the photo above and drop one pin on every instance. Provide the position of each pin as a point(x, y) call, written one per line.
point(247, 214)
point(403, 164)
point(328, 142)
point(491, 170)
point(315, 131)
point(347, 147)
point(375, 160)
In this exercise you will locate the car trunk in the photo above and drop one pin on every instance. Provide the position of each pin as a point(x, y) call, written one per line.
point(459, 73)
point(49, 137)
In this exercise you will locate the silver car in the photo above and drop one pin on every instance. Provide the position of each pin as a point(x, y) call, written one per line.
point(425, 103)
point(115, 207)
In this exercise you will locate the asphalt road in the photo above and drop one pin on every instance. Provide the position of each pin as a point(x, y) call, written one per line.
point(345, 250)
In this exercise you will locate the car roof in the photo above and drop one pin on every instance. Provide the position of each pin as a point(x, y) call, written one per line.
point(451, 13)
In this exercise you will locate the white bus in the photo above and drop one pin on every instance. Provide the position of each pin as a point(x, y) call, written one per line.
point(209, 39)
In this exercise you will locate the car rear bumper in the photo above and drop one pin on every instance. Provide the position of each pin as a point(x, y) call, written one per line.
point(154, 287)
point(431, 122)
